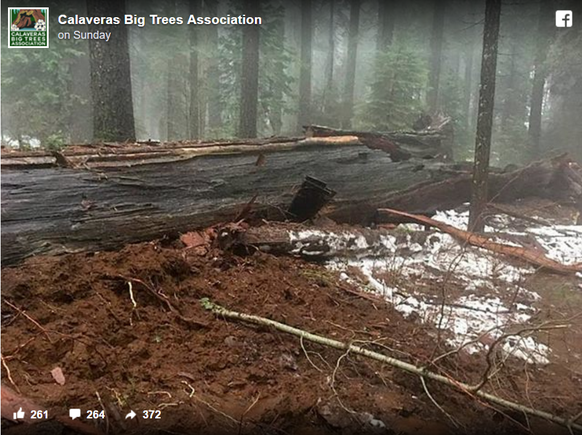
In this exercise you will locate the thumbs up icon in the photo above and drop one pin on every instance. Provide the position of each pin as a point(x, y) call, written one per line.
point(19, 415)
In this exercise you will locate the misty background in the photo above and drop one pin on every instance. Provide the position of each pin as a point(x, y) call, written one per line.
point(357, 64)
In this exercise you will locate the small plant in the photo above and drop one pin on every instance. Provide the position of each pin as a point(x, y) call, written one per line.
point(55, 141)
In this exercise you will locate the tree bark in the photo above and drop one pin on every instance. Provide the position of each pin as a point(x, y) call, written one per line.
point(250, 74)
point(479, 195)
point(194, 106)
point(436, 49)
point(351, 62)
point(328, 88)
point(385, 25)
point(110, 76)
point(508, 110)
point(212, 73)
point(304, 115)
point(540, 73)
point(53, 210)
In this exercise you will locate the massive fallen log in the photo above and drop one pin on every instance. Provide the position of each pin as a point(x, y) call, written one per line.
point(557, 179)
point(52, 210)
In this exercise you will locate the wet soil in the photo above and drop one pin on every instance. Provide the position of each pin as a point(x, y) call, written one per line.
point(163, 351)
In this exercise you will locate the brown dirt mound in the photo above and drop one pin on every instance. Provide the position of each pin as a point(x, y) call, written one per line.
point(209, 375)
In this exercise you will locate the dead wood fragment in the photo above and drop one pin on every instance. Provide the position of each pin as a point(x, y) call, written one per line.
point(433, 140)
point(531, 256)
point(459, 386)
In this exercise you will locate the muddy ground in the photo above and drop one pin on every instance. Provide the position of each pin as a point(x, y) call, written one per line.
point(209, 375)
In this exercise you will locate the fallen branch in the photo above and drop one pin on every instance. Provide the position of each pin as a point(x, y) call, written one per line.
point(531, 256)
point(402, 365)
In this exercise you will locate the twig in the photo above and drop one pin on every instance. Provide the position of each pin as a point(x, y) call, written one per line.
point(9, 375)
point(151, 393)
point(104, 410)
point(332, 381)
point(307, 356)
point(164, 299)
point(402, 365)
point(130, 285)
point(440, 408)
point(38, 325)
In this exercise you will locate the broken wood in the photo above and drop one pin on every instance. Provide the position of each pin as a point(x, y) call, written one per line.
point(310, 242)
point(531, 256)
point(434, 140)
point(554, 179)
point(44, 211)
point(54, 210)
point(423, 372)
point(91, 157)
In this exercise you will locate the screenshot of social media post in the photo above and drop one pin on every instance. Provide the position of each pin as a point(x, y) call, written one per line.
point(291, 217)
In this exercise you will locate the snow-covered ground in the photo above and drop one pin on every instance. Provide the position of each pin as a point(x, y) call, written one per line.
point(491, 300)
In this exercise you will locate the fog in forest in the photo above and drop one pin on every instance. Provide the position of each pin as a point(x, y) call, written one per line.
point(359, 64)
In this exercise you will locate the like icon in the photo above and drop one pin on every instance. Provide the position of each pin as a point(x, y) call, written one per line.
point(18, 415)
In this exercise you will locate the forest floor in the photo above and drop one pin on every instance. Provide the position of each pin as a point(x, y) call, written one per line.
point(155, 347)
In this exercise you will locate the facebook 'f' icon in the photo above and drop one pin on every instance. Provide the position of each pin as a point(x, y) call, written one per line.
point(564, 18)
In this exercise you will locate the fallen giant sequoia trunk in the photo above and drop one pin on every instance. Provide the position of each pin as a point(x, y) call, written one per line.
point(105, 204)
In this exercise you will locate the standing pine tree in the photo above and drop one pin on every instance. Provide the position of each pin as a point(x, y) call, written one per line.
point(544, 31)
point(194, 106)
point(249, 81)
point(351, 62)
point(485, 117)
point(436, 50)
point(304, 115)
point(399, 79)
point(110, 76)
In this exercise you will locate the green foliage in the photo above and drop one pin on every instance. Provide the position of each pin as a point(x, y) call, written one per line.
point(230, 61)
point(275, 80)
point(55, 141)
point(451, 103)
point(395, 93)
point(36, 102)
point(510, 143)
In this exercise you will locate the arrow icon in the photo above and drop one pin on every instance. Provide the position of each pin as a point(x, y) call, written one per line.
point(131, 415)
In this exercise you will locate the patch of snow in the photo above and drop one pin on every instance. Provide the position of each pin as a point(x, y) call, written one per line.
point(483, 275)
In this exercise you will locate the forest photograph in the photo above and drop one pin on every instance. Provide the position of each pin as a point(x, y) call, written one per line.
point(291, 217)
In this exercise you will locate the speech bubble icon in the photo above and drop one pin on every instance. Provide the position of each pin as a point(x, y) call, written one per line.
point(74, 413)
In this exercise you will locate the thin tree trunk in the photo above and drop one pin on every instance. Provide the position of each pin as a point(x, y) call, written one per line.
point(328, 89)
point(479, 196)
point(436, 49)
point(212, 73)
point(250, 74)
point(80, 119)
point(304, 115)
point(539, 80)
point(351, 63)
point(508, 110)
point(170, 106)
point(385, 25)
point(468, 85)
point(110, 76)
point(194, 112)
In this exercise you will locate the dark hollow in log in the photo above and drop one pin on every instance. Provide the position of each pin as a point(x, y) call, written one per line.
point(56, 210)
point(45, 210)
point(311, 197)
